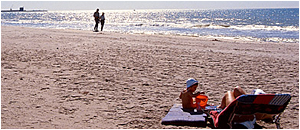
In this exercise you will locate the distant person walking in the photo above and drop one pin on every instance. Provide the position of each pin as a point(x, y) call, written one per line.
point(102, 20)
point(96, 16)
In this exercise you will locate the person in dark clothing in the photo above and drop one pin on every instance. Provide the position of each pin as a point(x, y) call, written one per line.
point(102, 20)
point(97, 18)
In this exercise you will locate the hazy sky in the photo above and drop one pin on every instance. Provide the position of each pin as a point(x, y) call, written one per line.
point(124, 5)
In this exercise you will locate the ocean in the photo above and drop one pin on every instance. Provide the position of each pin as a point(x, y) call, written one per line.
point(271, 25)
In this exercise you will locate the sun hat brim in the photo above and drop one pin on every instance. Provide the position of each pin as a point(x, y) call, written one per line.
point(190, 82)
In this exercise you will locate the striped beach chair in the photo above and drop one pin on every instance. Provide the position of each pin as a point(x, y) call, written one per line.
point(249, 105)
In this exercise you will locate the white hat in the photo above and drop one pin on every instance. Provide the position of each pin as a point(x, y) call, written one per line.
point(257, 92)
point(190, 82)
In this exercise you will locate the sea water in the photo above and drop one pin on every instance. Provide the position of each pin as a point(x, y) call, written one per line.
point(273, 25)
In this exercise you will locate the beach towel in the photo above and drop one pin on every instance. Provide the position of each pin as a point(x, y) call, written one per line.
point(181, 117)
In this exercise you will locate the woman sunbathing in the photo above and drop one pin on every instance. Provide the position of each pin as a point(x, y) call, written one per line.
point(238, 91)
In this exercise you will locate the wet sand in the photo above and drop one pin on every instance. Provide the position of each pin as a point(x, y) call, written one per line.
point(81, 79)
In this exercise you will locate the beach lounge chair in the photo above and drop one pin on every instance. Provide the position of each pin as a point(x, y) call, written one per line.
point(249, 105)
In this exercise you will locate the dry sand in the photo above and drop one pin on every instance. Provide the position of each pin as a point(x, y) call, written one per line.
point(80, 79)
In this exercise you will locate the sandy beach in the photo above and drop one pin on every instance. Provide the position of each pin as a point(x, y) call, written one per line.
point(61, 79)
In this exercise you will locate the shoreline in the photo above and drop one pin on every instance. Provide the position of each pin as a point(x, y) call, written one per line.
point(205, 38)
point(241, 39)
point(53, 78)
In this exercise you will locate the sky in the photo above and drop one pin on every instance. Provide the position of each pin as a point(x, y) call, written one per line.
point(128, 5)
